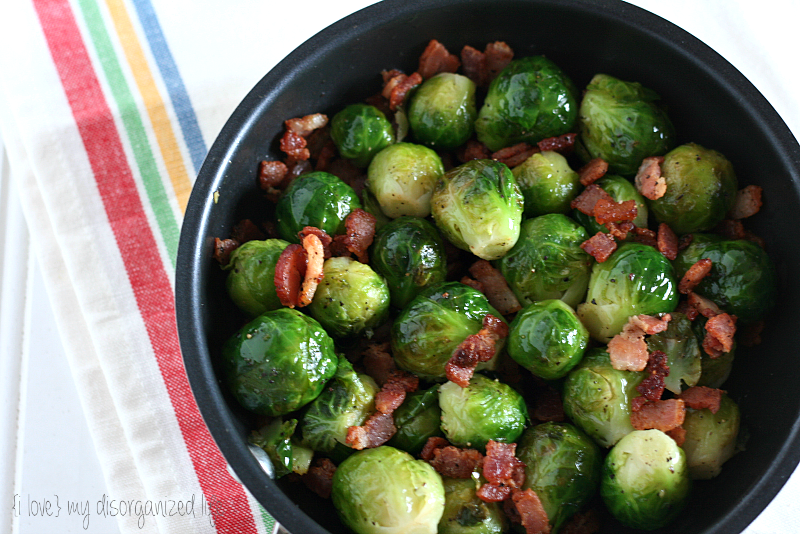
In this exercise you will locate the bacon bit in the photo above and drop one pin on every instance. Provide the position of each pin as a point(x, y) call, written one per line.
point(296, 168)
point(400, 89)
point(474, 349)
point(473, 149)
point(563, 144)
point(645, 236)
point(649, 181)
point(323, 236)
point(496, 288)
point(501, 466)
point(493, 493)
point(720, 330)
point(474, 284)
point(619, 231)
point(694, 275)
point(730, 229)
point(685, 241)
point(663, 415)
point(430, 447)
point(649, 324)
point(652, 387)
point(547, 405)
point(593, 171)
point(380, 103)
point(751, 335)
point(628, 350)
point(748, 202)
point(271, 174)
point(436, 59)
point(290, 270)
point(583, 522)
point(704, 306)
point(600, 246)
point(498, 56)
point(474, 66)
point(223, 249)
point(315, 257)
point(393, 392)
point(376, 430)
point(678, 434)
point(294, 145)
point(606, 210)
point(450, 461)
point(700, 397)
point(319, 477)
point(688, 310)
point(532, 514)
point(586, 201)
point(378, 362)
point(514, 155)
point(317, 140)
point(667, 242)
point(360, 231)
point(305, 125)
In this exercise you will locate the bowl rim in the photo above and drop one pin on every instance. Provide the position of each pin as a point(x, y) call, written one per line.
point(194, 248)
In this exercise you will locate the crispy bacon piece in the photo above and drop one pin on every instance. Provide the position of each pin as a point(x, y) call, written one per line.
point(294, 146)
point(650, 324)
point(531, 512)
point(474, 66)
point(271, 175)
point(663, 415)
point(360, 231)
point(719, 334)
point(649, 181)
point(607, 210)
point(378, 362)
point(704, 306)
point(433, 443)
point(495, 287)
point(323, 236)
point(454, 462)
point(315, 257)
point(667, 242)
point(376, 430)
point(645, 236)
point(586, 201)
point(290, 270)
point(685, 241)
point(694, 275)
point(400, 89)
point(474, 284)
point(501, 466)
point(303, 126)
point(319, 477)
point(516, 154)
point(563, 144)
point(474, 349)
point(700, 397)
point(678, 434)
point(393, 392)
point(498, 56)
point(652, 387)
point(619, 230)
point(628, 350)
point(748, 202)
point(593, 171)
point(685, 308)
point(296, 168)
point(473, 149)
point(493, 493)
point(436, 59)
point(223, 249)
point(600, 246)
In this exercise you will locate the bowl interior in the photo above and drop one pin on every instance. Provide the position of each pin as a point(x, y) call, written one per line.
point(709, 102)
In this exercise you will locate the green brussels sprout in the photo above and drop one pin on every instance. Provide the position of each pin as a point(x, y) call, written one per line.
point(715, 371)
point(385, 490)
point(531, 99)
point(636, 279)
point(410, 254)
point(711, 438)
point(742, 281)
point(442, 111)
point(251, 280)
point(402, 178)
point(360, 131)
point(548, 262)
point(622, 123)
point(478, 208)
point(620, 190)
point(351, 299)
point(562, 465)
point(417, 419)
point(680, 345)
point(547, 339)
point(278, 362)
point(466, 513)
point(348, 399)
point(314, 199)
point(547, 182)
point(598, 397)
point(373, 207)
point(645, 480)
point(430, 328)
point(275, 439)
point(486, 409)
point(701, 189)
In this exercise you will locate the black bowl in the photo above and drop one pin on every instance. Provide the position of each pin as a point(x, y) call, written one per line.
point(710, 102)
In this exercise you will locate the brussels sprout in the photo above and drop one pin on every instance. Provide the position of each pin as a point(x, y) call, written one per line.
point(351, 299)
point(710, 438)
point(742, 281)
point(547, 182)
point(680, 345)
point(478, 208)
point(486, 409)
point(636, 279)
point(701, 189)
point(562, 465)
point(251, 280)
point(275, 439)
point(530, 99)
point(360, 131)
point(547, 339)
point(314, 199)
point(645, 480)
point(597, 397)
point(442, 111)
point(548, 262)
point(715, 371)
point(385, 490)
point(620, 190)
point(348, 399)
point(620, 122)
point(278, 362)
point(402, 178)
point(373, 207)
point(431, 327)
point(417, 419)
point(466, 513)
point(410, 254)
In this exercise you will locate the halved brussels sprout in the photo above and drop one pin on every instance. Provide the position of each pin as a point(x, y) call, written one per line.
point(431, 327)
point(410, 254)
point(547, 182)
point(547, 339)
point(562, 465)
point(710, 438)
point(275, 439)
point(622, 123)
point(278, 362)
point(351, 299)
point(636, 279)
point(314, 199)
point(417, 419)
point(478, 208)
point(548, 262)
point(684, 357)
point(620, 190)
point(486, 409)
point(251, 276)
point(529, 100)
point(402, 178)
point(442, 111)
point(360, 131)
point(598, 397)
point(386, 491)
point(466, 513)
point(701, 189)
point(645, 480)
